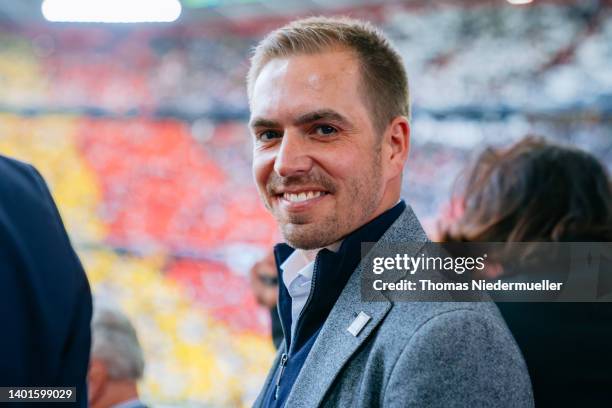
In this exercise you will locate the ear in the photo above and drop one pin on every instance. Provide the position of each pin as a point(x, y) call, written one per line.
point(97, 377)
point(397, 140)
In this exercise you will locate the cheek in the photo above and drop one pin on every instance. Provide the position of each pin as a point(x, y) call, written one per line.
point(263, 164)
point(346, 165)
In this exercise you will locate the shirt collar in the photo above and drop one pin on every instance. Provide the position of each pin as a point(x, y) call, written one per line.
point(334, 271)
point(299, 261)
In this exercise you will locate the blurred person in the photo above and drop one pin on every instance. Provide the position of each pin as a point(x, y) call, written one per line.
point(117, 362)
point(45, 300)
point(264, 282)
point(330, 123)
point(536, 191)
point(533, 190)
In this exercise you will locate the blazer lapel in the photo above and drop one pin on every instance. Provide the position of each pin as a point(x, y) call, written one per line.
point(335, 345)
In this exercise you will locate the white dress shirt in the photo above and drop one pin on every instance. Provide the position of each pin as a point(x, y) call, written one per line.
point(297, 278)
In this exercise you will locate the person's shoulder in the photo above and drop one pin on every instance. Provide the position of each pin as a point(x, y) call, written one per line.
point(436, 328)
point(26, 203)
point(434, 343)
point(18, 177)
point(430, 309)
point(14, 166)
point(410, 317)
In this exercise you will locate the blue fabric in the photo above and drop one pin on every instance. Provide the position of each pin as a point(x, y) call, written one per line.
point(331, 272)
point(45, 300)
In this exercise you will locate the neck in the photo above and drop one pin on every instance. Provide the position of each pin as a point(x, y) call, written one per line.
point(311, 254)
point(390, 198)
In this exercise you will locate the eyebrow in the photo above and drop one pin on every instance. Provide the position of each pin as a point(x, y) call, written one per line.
point(322, 114)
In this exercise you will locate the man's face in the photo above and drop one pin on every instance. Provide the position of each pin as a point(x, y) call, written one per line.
point(316, 157)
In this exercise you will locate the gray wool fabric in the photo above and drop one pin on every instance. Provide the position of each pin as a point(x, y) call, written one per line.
point(410, 354)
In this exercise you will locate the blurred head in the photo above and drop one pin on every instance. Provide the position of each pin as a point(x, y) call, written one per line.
point(329, 118)
point(534, 191)
point(117, 361)
point(264, 281)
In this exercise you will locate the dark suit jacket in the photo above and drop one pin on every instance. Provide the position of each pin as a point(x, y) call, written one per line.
point(568, 350)
point(45, 300)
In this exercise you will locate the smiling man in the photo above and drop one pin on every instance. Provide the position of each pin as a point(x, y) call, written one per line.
point(330, 124)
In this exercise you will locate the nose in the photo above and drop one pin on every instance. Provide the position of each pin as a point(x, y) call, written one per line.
point(293, 156)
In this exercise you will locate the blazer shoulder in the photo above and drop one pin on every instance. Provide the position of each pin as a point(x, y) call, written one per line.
point(464, 357)
point(406, 320)
point(14, 166)
point(29, 217)
point(420, 312)
point(19, 178)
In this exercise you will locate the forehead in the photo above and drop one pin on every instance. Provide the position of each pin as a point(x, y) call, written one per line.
point(293, 85)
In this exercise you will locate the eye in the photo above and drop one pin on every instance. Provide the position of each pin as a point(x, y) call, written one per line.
point(325, 130)
point(268, 135)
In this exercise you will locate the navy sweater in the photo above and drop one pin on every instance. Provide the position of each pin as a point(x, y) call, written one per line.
point(332, 271)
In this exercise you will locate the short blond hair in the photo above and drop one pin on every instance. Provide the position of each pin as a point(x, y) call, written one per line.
point(384, 82)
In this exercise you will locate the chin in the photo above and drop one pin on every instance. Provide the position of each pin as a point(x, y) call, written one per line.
point(302, 237)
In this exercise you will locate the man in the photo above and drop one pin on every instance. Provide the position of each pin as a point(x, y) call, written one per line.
point(117, 362)
point(330, 122)
point(264, 282)
point(45, 301)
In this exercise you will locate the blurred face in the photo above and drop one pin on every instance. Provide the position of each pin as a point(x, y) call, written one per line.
point(316, 158)
point(97, 380)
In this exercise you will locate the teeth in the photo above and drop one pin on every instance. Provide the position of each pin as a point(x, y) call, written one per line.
point(296, 198)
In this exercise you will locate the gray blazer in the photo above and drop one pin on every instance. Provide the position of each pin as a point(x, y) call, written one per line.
point(410, 354)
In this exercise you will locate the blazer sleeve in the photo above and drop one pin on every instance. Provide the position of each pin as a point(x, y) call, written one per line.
point(45, 299)
point(461, 358)
point(75, 353)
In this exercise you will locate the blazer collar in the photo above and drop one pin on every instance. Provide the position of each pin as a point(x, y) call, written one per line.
point(335, 345)
point(334, 270)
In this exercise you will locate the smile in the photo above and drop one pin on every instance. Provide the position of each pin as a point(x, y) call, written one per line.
point(301, 200)
point(303, 196)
